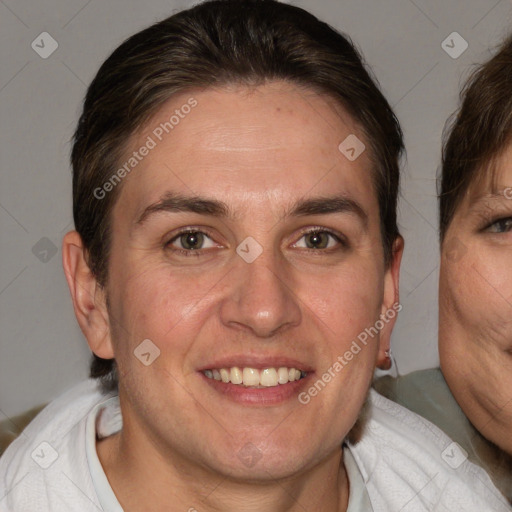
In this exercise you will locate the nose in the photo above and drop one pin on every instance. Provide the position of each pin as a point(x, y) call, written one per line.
point(261, 298)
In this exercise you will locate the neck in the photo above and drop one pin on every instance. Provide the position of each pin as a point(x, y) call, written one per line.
point(143, 479)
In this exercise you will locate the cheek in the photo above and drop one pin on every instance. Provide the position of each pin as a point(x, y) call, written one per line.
point(478, 290)
point(346, 303)
point(155, 302)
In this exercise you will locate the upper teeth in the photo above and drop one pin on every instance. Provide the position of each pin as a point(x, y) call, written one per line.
point(267, 377)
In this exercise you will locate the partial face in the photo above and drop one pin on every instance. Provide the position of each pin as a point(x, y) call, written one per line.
point(476, 306)
point(247, 248)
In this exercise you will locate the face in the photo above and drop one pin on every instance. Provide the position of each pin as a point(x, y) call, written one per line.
point(246, 247)
point(476, 306)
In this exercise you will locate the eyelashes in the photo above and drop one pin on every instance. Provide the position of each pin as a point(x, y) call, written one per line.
point(321, 242)
point(502, 225)
point(194, 241)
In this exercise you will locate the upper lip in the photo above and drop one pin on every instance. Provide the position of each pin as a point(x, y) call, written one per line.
point(256, 362)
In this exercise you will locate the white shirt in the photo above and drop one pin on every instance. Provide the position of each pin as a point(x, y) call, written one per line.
point(397, 465)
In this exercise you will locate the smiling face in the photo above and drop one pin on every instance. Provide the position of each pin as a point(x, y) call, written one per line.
point(475, 331)
point(246, 247)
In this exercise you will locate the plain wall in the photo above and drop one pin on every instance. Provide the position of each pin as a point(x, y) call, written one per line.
point(42, 351)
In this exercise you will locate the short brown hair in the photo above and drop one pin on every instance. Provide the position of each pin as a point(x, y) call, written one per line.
point(479, 132)
point(216, 43)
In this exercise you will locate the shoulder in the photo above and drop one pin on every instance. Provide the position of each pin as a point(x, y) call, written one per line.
point(424, 391)
point(410, 464)
point(50, 455)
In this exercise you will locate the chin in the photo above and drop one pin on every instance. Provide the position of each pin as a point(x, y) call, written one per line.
point(255, 467)
point(260, 460)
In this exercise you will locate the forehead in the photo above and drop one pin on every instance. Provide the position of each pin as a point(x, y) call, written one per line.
point(275, 142)
point(492, 178)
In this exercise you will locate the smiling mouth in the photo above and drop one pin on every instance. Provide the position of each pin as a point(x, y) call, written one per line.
point(252, 377)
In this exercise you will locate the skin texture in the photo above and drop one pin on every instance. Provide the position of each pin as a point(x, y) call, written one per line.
point(475, 322)
point(260, 151)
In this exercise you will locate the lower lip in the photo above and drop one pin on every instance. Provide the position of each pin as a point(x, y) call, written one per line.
point(259, 396)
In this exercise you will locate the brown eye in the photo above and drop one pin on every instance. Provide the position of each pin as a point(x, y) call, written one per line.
point(191, 241)
point(317, 240)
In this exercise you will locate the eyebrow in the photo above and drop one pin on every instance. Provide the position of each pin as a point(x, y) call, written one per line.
point(495, 194)
point(488, 201)
point(180, 203)
point(326, 205)
point(205, 206)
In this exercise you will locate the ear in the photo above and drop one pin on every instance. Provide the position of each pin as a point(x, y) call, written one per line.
point(390, 304)
point(89, 298)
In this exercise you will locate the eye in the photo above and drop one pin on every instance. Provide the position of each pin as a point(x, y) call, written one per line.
point(500, 226)
point(191, 241)
point(318, 239)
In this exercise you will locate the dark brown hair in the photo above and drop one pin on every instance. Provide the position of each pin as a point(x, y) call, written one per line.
point(219, 43)
point(479, 132)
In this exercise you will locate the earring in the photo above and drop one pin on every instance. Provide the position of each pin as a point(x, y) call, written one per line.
point(386, 365)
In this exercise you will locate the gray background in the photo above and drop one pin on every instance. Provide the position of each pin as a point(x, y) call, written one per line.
point(42, 351)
